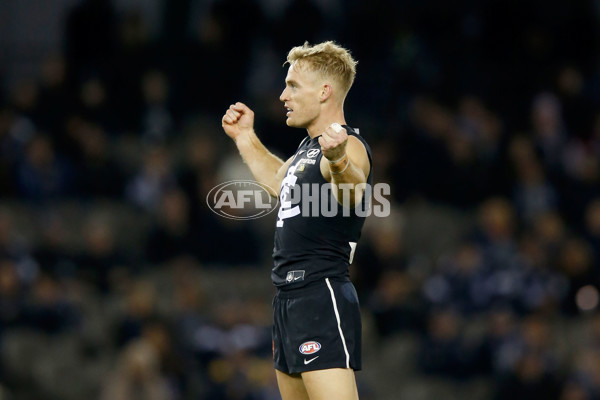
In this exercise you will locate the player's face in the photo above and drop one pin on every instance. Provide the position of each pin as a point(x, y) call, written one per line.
point(301, 97)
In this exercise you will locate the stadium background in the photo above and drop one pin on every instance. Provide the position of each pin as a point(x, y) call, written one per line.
point(116, 281)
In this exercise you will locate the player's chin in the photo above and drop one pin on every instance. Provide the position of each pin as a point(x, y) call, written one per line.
point(294, 123)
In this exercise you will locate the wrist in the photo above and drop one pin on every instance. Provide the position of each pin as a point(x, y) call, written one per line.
point(243, 138)
point(333, 162)
point(340, 165)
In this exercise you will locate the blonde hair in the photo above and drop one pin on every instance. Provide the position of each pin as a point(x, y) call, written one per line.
point(327, 58)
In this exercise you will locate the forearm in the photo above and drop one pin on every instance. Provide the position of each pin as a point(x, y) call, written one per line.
point(348, 181)
point(263, 164)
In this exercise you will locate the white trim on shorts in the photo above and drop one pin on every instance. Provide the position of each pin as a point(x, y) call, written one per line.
point(337, 317)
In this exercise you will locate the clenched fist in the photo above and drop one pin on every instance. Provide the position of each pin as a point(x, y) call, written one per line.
point(333, 142)
point(237, 119)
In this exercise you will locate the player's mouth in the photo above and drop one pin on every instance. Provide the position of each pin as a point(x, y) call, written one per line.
point(289, 111)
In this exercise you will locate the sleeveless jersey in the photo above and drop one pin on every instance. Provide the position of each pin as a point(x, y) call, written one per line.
point(315, 236)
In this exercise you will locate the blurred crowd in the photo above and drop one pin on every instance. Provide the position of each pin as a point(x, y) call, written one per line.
point(487, 109)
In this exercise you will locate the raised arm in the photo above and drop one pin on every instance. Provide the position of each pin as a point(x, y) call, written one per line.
point(267, 168)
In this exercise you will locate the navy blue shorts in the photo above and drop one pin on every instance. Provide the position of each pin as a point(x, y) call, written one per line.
point(317, 327)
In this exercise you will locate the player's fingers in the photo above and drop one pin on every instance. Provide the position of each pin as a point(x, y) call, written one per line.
point(332, 138)
point(241, 107)
point(233, 115)
point(322, 142)
point(226, 119)
point(234, 111)
point(337, 132)
point(338, 137)
point(337, 128)
point(327, 138)
point(329, 134)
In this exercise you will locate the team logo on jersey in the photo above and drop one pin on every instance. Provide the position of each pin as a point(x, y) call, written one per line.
point(310, 347)
point(312, 153)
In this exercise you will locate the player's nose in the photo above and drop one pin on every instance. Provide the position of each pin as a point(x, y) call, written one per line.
point(283, 97)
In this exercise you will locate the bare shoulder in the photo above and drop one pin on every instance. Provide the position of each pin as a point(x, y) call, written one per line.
point(355, 144)
point(357, 152)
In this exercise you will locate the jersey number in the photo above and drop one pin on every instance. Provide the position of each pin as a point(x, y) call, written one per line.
point(286, 210)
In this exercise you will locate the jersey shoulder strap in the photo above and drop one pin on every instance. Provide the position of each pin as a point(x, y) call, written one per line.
point(302, 142)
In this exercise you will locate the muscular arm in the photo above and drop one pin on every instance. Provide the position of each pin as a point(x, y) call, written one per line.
point(266, 167)
point(345, 161)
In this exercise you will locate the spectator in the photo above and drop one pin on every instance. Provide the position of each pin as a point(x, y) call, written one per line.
point(11, 296)
point(549, 129)
point(463, 281)
point(140, 308)
point(443, 350)
point(42, 175)
point(155, 177)
point(530, 380)
point(173, 236)
point(100, 256)
point(534, 374)
point(576, 263)
point(99, 175)
point(137, 374)
point(395, 304)
point(49, 309)
point(157, 123)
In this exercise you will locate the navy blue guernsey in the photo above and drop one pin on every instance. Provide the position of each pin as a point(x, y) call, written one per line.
point(313, 242)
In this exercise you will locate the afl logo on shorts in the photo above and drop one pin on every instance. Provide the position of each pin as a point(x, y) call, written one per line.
point(310, 347)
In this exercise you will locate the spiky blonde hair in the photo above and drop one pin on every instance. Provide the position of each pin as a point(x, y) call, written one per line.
point(329, 59)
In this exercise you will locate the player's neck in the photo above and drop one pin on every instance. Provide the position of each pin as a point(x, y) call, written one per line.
point(324, 121)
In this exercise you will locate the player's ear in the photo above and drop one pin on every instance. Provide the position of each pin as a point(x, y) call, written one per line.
point(326, 91)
